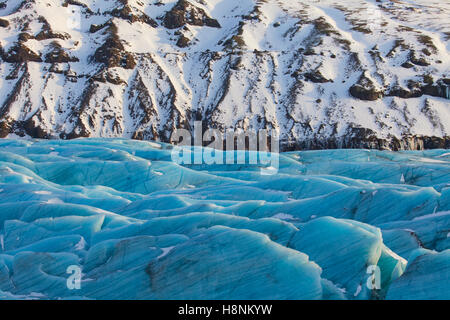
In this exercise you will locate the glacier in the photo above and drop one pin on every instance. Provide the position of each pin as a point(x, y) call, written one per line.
point(140, 226)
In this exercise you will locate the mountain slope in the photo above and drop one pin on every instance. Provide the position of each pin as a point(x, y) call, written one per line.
point(324, 73)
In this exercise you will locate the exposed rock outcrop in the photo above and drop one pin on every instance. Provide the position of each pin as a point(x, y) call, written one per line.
point(366, 90)
point(184, 12)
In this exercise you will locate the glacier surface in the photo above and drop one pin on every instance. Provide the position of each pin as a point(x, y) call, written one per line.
point(140, 226)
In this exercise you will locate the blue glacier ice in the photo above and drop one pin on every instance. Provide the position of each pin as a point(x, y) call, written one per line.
point(140, 226)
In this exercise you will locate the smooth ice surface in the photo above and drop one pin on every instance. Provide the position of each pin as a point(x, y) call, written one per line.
point(140, 226)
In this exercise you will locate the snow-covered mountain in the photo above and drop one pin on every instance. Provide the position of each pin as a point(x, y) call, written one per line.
point(328, 73)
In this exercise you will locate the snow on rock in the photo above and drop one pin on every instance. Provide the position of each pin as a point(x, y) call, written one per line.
point(326, 74)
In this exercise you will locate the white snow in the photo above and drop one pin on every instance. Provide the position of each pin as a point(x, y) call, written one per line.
point(165, 252)
point(358, 291)
point(55, 201)
point(42, 192)
point(283, 216)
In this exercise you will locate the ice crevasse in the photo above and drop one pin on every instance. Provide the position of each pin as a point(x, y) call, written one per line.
point(140, 226)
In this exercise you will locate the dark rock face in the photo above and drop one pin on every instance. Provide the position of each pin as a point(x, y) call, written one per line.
point(316, 77)
point(5, 129)
point(23, 37)
point(364, 93)
point(440, 89)
point(112, 53)
point(365, 89)
point(404, 93)
point(20, 53)
point(34, 130)
point(363, 138)
point(213, 23)
point(183, 42)
point(58, 55)
point(184, 13)
point(407, 65)
point(48, 33)
point(323, 27)
point(174, 19)
point(418, 61)
point(126, 13)
point(94, 28)
point(4, 23)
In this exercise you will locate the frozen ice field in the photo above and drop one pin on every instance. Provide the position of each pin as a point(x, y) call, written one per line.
point(140, 226)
